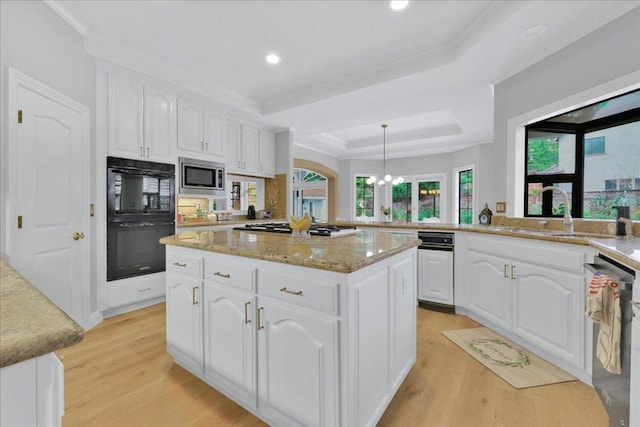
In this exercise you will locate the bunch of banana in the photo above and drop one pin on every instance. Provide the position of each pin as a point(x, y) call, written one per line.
point(300, 224)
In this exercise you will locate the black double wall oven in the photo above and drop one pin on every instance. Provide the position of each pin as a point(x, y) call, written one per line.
point(140, 211)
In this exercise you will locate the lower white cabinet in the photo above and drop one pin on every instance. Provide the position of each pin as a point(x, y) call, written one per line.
point(184, 319)
point(634, 416)
point(32, 392)
point(534, 292)
point(294, 345)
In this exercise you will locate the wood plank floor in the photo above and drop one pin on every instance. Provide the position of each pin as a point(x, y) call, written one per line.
point(121, 375)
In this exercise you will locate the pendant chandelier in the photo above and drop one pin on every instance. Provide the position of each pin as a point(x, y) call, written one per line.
point(385, 176)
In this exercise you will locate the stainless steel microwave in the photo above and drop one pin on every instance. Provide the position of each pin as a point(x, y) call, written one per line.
point(201, 177)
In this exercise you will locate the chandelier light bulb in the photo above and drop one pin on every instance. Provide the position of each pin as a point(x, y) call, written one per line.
point(381, 182)
point(371, 180)
point(400, 180)
point(387, 178)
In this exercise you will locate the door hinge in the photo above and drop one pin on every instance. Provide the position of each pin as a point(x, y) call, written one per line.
point(19, 116)
point(19, 222)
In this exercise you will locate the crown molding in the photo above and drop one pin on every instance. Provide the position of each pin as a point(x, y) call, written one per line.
point(68, 17)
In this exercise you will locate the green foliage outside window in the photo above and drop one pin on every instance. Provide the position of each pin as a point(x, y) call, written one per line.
point(542, 154)
point(364, 197)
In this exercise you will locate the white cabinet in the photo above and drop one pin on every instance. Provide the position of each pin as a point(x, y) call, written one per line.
point(267, 152)
point(32, 392)
point(200, 129)
point(634, 416)
point(229, 339)
point(489, 287)
point(159, 125)
point(435, 276)
point(125, 117)
point(141, 120)
point(184, 319)
point(250, 150)
point(533, 290)
point(297, 366)
point(404, 323)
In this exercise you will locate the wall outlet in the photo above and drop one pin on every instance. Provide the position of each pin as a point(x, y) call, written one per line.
point(501, 207)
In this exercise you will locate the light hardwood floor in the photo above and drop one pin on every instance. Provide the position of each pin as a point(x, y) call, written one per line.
point(121, 375)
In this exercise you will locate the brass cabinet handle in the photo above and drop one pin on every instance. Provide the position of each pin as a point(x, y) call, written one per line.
point(147, 151)
point(193, 295)
point(260, 325)
point(506, 275)
point(513, 273)
point(202, 145)
point(141, 152)
point(206, 146)
point(179, 264)
point(144, 290)
point(246, 315)
point(78, 236)
point(226, 276)
point(299, 293)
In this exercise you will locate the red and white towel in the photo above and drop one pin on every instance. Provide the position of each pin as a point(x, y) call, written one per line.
point(603, 305)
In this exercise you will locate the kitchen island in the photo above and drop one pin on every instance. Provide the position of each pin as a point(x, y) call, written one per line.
point(32, 328)
point(318, 331)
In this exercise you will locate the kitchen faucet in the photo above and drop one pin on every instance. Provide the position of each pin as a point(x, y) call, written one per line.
point(567, 221)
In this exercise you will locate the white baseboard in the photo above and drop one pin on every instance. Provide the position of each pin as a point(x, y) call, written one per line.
point(127, 308)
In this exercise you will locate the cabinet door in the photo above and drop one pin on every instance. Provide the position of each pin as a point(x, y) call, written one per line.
point(229, 353)
point(184, 318)
point(250, 149)
point(159, 125)
point(634, 416)
point(190, 127)
point(267, 153)
point(234, 146)
point(435, 276)
point(125, 120)
point(404, 319)
point(489, 287)
point(547, 310)
point(297, 366)
point(214, 133)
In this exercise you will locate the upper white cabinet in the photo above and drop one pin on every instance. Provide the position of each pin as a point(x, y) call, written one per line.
point(141, 120)
point(267, 152)
point(250, 150)
point(200, 129)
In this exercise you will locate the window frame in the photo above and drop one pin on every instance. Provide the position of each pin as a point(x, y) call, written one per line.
point(354, 201)
point(577, 177)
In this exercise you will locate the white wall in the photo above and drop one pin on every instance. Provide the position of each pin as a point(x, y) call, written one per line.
point(607, 54)
point(36, 41)
point(315, 156)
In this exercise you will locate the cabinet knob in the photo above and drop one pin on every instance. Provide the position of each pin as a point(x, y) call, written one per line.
point(78, 236)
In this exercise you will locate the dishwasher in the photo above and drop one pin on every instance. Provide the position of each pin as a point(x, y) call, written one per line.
point(435, 271)
point(613, 389)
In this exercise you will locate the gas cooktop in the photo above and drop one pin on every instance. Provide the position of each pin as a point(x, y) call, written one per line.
point(315, 230)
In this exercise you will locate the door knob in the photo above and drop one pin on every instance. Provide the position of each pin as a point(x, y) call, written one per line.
point(78, 236)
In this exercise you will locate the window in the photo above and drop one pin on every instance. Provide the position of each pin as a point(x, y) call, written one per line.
point(593, 153)
point(365, 198)
point(465, 196)
point(309, 195)
point(594, 146)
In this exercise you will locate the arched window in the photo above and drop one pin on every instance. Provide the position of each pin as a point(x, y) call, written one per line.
point(309, 194)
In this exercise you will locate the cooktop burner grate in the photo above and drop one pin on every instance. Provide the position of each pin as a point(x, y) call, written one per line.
point(315, 230)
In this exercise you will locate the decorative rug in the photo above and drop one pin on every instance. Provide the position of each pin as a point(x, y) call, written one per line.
point(510, 362)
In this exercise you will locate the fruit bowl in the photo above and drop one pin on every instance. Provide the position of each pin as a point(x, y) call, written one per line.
point(300, 226)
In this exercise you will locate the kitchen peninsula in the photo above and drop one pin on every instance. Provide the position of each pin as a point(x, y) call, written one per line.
point(318, 331)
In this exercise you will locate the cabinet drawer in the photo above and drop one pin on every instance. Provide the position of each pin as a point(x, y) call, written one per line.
point(135, 289)
point(234, 275)
point(185, 264)
point(316, 295)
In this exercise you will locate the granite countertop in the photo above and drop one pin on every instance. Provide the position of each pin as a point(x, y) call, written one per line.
point(342, 254)
point(626, 251)
point(30, 324)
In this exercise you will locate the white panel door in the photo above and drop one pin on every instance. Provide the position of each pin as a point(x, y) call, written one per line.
point(297, 366)
point(234, 146)
point(267, 152)
point(50, 172)
point(435, 276)
point(159, 125)
point(250, 149)
point(214, 142)
point(548, 309)
point(489, 288)
point(184, 319)
point(125, 117)
point(190, 128)
point(229, 350)
point(404, 320)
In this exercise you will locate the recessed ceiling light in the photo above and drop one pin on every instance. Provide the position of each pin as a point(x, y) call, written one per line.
point(533, 32)
point(272, 58)
point(398, 4)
